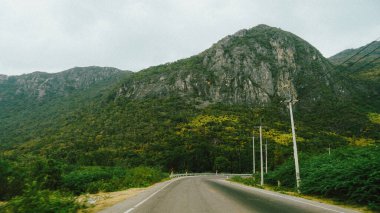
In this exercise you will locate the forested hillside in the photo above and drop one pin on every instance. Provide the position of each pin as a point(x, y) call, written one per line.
point(361, 68)
point(31, 105)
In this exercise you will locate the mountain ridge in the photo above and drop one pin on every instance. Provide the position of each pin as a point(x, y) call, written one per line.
point(39, 84)
point(373, 49)
point(261, 60)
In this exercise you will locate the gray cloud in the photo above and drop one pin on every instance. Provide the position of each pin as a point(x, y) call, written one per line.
point(56, 35)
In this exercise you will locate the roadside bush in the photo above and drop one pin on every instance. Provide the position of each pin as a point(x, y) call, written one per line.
point(41, 201)
point(95, 179)
point(250, 181)
point(351, 174)
point(47, 172)
point(143, 176)
point(285, 174)
point(89, 179)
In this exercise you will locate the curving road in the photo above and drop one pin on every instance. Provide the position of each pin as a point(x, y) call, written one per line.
point(214, 194)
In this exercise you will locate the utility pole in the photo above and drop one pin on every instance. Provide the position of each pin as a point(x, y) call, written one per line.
point(295, 152)
point(253, 155)
point(261, 154)
point(261, 157)
point(329, 150)
point(266, 156)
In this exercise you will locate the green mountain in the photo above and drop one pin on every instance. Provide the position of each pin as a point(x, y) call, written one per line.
point(372, 50)
point(363, 67)
point(255, 66)
point(195, 114)
point(31, 104)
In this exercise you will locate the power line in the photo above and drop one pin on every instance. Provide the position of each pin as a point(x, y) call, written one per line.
point(370, 62)
point(359, 51)
point(350, 66)
point(364, 56)
point(343, 76)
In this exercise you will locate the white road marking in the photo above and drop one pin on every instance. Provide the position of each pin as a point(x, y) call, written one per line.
point(129, 210)
point(288, 198)
point(150, 196)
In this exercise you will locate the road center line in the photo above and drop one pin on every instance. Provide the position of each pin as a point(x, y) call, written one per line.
point(288, 198)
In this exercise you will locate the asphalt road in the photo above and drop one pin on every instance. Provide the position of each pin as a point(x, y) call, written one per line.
point(214, 194)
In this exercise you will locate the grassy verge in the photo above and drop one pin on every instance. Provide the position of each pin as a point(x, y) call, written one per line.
point(254, 182)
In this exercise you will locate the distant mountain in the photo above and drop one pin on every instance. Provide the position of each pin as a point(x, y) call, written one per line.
point(373, 51)
point(362, 66)
point(40, 85)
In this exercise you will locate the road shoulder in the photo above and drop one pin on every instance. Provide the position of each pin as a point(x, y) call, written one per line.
point(309, 200)
point(130, 203)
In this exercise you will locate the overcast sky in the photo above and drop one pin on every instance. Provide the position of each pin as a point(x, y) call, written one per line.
point(55, 35)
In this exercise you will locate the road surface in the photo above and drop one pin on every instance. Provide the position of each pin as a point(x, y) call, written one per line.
point(214, 194)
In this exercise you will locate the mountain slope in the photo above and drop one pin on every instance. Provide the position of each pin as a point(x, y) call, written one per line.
point(40, 85)
point(31, 104)
point(373, 50)
point(252, 66)
point(362, 70)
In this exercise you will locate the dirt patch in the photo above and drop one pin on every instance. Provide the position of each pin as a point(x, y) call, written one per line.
point(102, 200)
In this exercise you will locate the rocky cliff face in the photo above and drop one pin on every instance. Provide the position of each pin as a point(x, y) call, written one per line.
point(251, 66)
point(38, 85)
point(3, 77)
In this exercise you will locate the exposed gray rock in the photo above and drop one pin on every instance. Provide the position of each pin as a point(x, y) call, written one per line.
point(38, 85)
point(3, 77)
point(251, 66)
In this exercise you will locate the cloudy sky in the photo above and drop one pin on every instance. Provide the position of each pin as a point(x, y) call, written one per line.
point(56, 35)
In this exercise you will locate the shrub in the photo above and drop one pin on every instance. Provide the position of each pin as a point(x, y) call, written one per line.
point(285, 174)
point(41, 201)
point(250, 181)
point(143, 176)
point(11, 180)
point(87, 179)
point(95, 179)
point(46, 172)
point(350, 174)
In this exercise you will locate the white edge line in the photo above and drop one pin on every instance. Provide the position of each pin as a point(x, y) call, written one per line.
point(288, 198)
point(150, 196)
point(129, 210)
